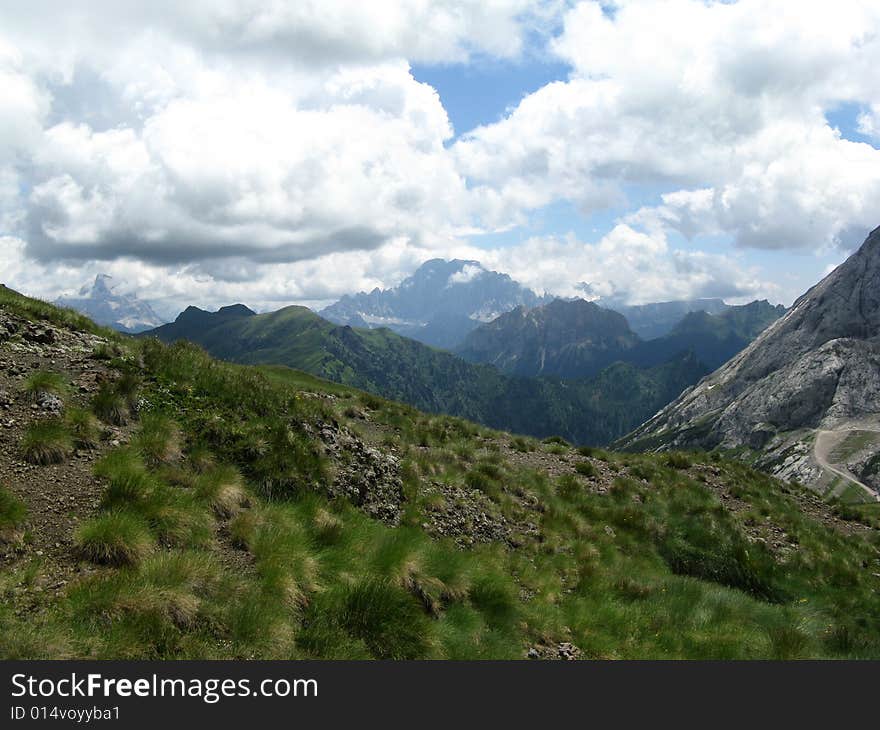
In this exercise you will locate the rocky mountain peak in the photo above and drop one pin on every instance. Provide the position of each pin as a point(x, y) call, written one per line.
point(100, 301)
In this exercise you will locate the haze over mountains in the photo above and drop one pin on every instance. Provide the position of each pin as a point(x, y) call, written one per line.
point(805, 395)
point(443, 301)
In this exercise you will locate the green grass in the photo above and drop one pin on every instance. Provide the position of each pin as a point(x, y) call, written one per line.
point(158, 440)
point(12, 513)
point(115, 538)
point(222, 488)
point(83, 426)
point(586, 468)
point(46, 442)
point(42, 382)
point(110, 406)
point(39, 311)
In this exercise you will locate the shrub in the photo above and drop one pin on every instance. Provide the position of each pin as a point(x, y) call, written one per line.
point(46, 442)
point(115, 538)
point(83, 428)
point(556, 440)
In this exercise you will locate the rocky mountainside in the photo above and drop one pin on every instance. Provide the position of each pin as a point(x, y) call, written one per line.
point(125, 313)
point(438, 305)
point(815, 369)
point(567, 339)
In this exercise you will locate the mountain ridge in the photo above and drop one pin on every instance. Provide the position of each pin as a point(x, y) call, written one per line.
point(385, 363)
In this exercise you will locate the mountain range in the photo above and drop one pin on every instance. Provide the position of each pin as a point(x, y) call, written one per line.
point(593, 382)
point(438, 305)
point(443, 301)
point(156, 503)
point(125, 313)
point(577, 339)
point(804, 397)
point(593, 410)
point(656, 319)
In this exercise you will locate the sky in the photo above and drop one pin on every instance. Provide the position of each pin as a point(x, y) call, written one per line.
point(271, 153)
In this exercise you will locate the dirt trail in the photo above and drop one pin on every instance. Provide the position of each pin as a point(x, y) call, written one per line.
point(824, 444)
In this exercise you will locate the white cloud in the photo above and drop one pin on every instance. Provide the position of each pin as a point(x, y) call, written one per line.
point(626, 264)
point(722, 104)
point(468, 273)
point(868, 121)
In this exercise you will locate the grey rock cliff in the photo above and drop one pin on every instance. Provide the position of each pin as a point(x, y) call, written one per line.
point(816, 367)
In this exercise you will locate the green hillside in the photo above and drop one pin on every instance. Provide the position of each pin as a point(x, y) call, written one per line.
point(592, 411)
point(157, 503)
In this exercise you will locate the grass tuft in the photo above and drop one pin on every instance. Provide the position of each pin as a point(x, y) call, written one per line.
point(158, 440)
point(223, 489)
point(115, 538)
point(46, 442)
point(83, 427)
point(43, 382)
point(12, 515)
point(110, 406)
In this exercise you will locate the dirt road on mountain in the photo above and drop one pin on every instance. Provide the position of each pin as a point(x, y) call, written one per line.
point(822, 448)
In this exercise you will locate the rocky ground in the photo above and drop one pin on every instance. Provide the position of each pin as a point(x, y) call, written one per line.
point(58, 496)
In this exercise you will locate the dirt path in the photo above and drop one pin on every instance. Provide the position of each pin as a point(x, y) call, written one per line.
point(824, 444)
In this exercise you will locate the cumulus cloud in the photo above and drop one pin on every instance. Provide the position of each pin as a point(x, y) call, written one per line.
point(627, 265)
point(468, 273)
point(247, 170)
point(722, 104)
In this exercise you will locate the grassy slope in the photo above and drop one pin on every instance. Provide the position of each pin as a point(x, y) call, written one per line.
point(385, 363)
point(622, 555)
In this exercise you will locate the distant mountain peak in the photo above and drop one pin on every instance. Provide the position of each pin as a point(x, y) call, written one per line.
point(438, 304)
point(124, 312)
point(565, 338)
